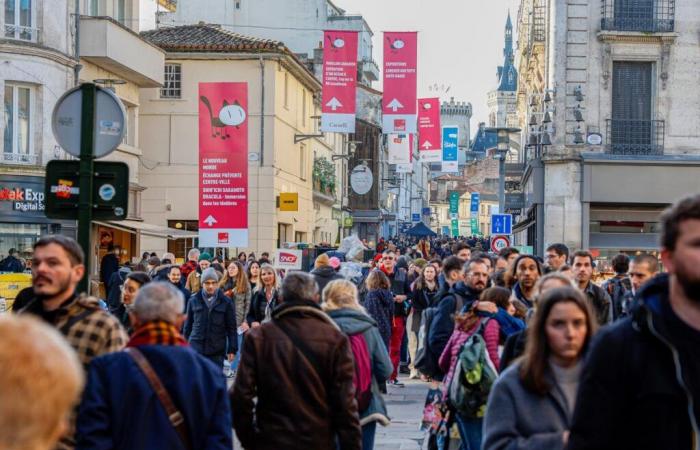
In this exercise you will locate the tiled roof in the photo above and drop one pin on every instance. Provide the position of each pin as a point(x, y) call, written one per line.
point(208, 38)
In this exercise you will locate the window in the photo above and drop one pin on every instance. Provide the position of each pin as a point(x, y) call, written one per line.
point(638, 15)
point(302, 161)
point(303, 108)
point(172, 82)
point(19, 19)
point(120, 12)
point(17, 139)
point(286, 90)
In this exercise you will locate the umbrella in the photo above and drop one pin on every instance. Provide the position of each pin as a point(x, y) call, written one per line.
point(421, 230)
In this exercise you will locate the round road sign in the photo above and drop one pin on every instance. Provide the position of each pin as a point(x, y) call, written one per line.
point(361, 179)
point(498, 243)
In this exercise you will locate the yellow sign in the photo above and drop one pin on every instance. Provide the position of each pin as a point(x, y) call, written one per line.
point(289, 201)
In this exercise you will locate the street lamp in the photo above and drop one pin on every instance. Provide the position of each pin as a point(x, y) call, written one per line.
point(502, 149)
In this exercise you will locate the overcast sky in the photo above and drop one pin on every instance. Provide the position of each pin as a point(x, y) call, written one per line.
point(460, 42)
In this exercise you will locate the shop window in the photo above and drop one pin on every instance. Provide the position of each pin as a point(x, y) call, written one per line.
point(20, 20)
point(17, 138)
point(284, 234)
point(22, 237)
point(172, 81)
point(134, 211)
point(180, 247)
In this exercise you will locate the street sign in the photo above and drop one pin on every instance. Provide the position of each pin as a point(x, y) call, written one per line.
point(110, 121)
point(110, 190)
point(399, 109)
point(501, 224)
point(338, 102)
point(429, 129)
point(474, 202)
point(454, 216)
point(498, 243)
point(426, 211)
point(415, 217)
point(514, 200)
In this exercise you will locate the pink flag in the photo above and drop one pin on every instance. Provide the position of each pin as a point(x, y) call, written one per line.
point(339, 81)
point(400, 82)
point(429, 139)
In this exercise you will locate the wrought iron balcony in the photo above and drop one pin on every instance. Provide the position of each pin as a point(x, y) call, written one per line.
point(635, 137)
point(650, 16)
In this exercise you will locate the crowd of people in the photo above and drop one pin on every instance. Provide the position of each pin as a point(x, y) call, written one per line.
point(519, 352)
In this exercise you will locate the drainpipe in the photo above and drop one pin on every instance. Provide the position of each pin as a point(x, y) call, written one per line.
point(262, 112)
point(78, 66)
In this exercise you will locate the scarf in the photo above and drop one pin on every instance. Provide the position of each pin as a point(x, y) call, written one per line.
point(386, 271)
point(156, 332)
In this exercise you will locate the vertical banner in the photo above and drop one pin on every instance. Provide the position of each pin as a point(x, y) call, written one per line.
point(223, 164)
point(474, 213)
point(339, 80)
point(407, 167)
point(400, 82)
point(429, 140)
point(450, 140)
point(399, 149)
point(454, 204)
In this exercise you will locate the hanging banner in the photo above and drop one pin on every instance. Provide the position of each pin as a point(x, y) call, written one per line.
point(429, 140)
point(223, 164)
point(339, 81)
point(400, 82)
point(407, 167)
point(450, 140)
point(399, 149)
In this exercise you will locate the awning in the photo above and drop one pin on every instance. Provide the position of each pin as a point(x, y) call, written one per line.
point(132, 226)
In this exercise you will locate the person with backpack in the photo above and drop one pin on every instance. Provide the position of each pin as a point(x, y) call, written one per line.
point(423, 291)
point(620, 285)
point(372, 363)
point(531, 405)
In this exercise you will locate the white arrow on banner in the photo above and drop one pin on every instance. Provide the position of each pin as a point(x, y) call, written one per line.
point(395, 105)
point(210, 220)
point(334, 103)
point(427, 145)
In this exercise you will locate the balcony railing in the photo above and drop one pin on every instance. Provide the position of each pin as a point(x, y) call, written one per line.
point(538, 29)
point(21, 32)
point(19, 158)
point(635, 137)
point(650, 16)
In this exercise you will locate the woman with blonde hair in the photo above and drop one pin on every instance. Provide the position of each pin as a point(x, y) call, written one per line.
point(340, 303)
point(264, 298)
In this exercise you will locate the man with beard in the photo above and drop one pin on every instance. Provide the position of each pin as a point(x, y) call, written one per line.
point(640, 387)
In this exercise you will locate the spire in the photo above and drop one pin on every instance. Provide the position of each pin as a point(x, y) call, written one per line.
point(508, 49)
point(509, 24)
point(507, 75)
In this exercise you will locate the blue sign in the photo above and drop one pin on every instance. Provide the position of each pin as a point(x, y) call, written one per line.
point(445, 230)
point(415, 217)
point(426, 211)
point(474, 206)
point(404, 227)
point(501, 224)
point(450, 141)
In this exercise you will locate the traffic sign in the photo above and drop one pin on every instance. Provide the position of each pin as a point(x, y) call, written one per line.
point(498, 243)
point(415, 217)
point(501, 224)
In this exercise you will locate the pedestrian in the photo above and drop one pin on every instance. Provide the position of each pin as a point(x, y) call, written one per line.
point(109, 265)
point(643, 268)
point(400, 288)
point(369, 353)
point(133, 283)
point(194, 283)
point(619, 285)
point(462, 251)
point(532, 403)
point(641, 384)
point(191, 264)
point(323, 273)
point(423, 291)
point(210, 327)
point(379, 303)
point(254, 275)
point(299, 366)
point(144, 259)
point(40, 384)
point(11, 263)
point(153, 262)
point(175, 278)
point(526, 270)
point(264, 298)
point(115, 287)
point(235, 286)
point(162, 271)
point(242, 258)
point(156, 355)
point(582, 267)
point(556, 256)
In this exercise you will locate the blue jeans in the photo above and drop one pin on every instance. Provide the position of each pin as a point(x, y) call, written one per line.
point(470, 431)
point(368, 431)
point(234, 364)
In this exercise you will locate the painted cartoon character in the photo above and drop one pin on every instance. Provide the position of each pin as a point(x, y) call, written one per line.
point(231, 114)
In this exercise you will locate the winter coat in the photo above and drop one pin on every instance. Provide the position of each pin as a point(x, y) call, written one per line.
point(324, 275)
point(630, 396)
point(161, 273)
point(11, 264)
point(120, 410)
point(299, 405)
point(114, 295)
point(353, 322)
point(185, 293)
point(449, 356)
point(108, 265)
point(519, 419)
point(379, 304)
point(601, 302)
point(400, 286)
point(513, 348)
point(421, 299)
point(242, 300)
point(259, 308)
point(211, 331)
point(187, 268)
point(518, 293)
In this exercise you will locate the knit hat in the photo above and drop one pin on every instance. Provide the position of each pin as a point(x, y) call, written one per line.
point(204, 256)
point(334, 262)
point(210, 274)
point(420, 262)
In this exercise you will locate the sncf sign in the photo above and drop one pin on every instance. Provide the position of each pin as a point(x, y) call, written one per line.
point(288, 259)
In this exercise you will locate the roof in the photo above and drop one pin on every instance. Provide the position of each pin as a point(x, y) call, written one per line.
point(205, 37)
point(484, 140)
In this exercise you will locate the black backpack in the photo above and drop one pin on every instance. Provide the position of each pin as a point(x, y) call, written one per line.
point(426, 360)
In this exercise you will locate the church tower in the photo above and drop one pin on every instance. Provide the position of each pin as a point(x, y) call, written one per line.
point(502, 100)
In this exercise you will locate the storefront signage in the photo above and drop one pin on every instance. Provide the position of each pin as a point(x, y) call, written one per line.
point(347, 222)
point(339, 81)
point(288, 259)
point(400, 82)
point(223, 164)
point(23, 198)
point(289, 201)
point(361, 179)
point(429, 141)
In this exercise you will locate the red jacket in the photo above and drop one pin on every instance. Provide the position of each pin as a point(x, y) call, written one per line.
point(187, 268)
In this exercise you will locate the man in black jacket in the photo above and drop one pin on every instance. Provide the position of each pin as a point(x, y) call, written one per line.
point(582, 266)
point(640, 387)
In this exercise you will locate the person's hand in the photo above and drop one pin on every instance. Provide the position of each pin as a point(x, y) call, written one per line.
point(231, 356)
point(244, 327)
point(255, 324)
point(565, 437)
point(488, 307)
point(400, 298)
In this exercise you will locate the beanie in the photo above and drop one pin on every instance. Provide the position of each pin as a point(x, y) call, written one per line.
point(204, 256)
point(334, 262)
point(210, 274)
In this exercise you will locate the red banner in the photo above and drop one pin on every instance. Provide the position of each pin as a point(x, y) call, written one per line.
point(429, 139)
point(339, 81)
point(223, 164)
point(400, 82)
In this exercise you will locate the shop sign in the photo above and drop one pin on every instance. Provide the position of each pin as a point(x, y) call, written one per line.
point(347, 222)
point(288, 259)
point(23, 199)
point(289, 201)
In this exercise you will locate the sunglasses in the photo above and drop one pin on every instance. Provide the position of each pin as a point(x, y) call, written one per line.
point(388, 258)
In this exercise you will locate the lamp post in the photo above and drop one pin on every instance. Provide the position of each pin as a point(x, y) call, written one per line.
point(502, 149)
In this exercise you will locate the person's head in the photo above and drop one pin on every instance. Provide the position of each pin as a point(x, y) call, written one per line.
point(389, 260)
point(204, 261)
point(582, 267)
point(501, 264)
point(253, 270)
point(268, 276)
point(40, 383)
point(158, 301)
point(321, 261)
point(298, 286)
point(462, 251)
point(265, 255)
point(437, 264)
point(559, 332)
point(174, 274)
point(476, 274)
point(57, 266)
point(498, 278)
point(680, 245)
point(452, 269)
point(557, 255)
point(145, 255)
point(133, 283)
point(509, 254)
point(429, 273)
point(526, 270)
point(642, 268)
point(340, 294)
point(153, 262)
point(498, 295)
point(193, 255)
point(12, 251)
point(551, 281)
point(210, 281)
point(242, 256)
point(566, 271)
point(377, 280)
point(232, 269)
point(485, 258)
point(334, 262)
point(621, 264)
point(168, 258)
